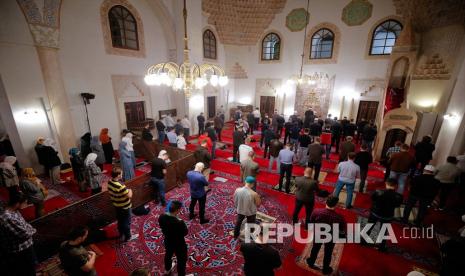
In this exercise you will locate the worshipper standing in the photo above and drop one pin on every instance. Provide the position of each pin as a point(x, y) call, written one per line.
point(249, 167)
point(171, 135)
point(121, 198)
point(350, 129)
point(400, 164)
point(244, 150)
point(448, 175)
point(265, 127)
point(93, 173)
point(389, 153)
point(336, 131)
point(96, 148)
point(130, 146)
point(325, 139)
point(369, 134)
point(107, 146)
point(197, 185)
point(346, 147)
point(423, 188)
point(238, 139)
point(269, 135)
point(9, 175)
point(174, 230)
point(384, 202)
point(246, 201)
point(169, 121)
point(286, 158)
point(202, 155)
point(157, 177)
point(39, 148)
point(344, 123)
point(245, 126)
point(16, 239)
point(213, 137)
point(360, 127)
point(348, 173)
point(78, 168)
point(181, 141)
point(251, 121)
point(363, 158)
point(146, 133)
point(315, 157)
point(52, 161)
point(256, 115)
point(274, 120)
point(186, 125)
point(201, 123)
point(287, 130)
point(280, 125)
point(326, 216)
point(218, 125)
point(275, 147)
point(74, 257)
point(85, 144)
point(259, 257)
point(178, 127)
point(34, 191)
point(126, 162)
point(294, 135)
point(308, 118)
point(315, 130)
point(160, 130)
point(302, 152)
point(221, 113)
point(424, 151)
point(305, 189)
point(328, 121)
point(237, 114)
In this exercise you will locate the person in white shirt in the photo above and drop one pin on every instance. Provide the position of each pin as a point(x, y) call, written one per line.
point(256, 115)
point(348, 173)
point(244, 150)
point(186, 125)
point(169, 121)
point(181, 141)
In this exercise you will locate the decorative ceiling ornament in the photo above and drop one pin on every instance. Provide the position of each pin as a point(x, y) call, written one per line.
point(297, 19)
point(357, 12)
point(186, 76)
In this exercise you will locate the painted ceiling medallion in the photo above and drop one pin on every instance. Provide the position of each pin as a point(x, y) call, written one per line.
point(357, 12)
point(297, 19)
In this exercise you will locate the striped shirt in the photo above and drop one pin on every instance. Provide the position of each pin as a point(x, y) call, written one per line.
point(119, 195)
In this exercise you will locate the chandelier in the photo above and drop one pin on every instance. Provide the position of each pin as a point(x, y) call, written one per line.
point(316, 80)
point(186, 76)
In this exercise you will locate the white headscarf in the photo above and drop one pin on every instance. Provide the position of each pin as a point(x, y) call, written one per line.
point(8, 162)
point(91, 157)
point(161, 153)
point(128, 139)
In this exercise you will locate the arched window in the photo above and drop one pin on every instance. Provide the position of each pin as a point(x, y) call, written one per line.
point(271, 46)
point(384, 37)
point(209, 45)
point(123, 28)
point(322, 44)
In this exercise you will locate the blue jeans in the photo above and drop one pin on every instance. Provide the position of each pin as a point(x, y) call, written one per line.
point(270, 164)
point(159, 187)
point(161, 137)
point(401, 178)
point(350, 190)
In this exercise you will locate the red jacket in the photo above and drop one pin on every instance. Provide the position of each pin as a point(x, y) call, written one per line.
point(205, 137)
point(325, 138)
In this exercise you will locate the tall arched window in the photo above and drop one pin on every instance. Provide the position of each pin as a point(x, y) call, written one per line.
point(322, 44)
point(123, 27)
point(384, 37)
point(271, 47)
point(209, 45)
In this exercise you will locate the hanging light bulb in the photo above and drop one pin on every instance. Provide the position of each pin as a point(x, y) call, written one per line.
point(223, 80)
point(178, 83)
point(214, 80)
point(152, 79)
point(165, 79)
point(200, 82)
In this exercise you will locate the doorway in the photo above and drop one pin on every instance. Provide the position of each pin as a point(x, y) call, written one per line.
point(135, 112)
point(367, 110)
point(267, 105)
point(392, 136)
point(211, 106)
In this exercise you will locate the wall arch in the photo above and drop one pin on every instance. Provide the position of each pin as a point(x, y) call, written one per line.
point(336, 44)
point(370, 35)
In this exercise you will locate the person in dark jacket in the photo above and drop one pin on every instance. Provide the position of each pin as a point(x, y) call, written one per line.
point(344, 123)
point(363, 158)
point(178, 127)
point(336, 131)
point(238, 139)
point(305, 189)
point(77, 163)
point(269, 135)
point(315, 130)
point(265, 125)
point(294, 136)
point(85, 145)
point(423, 189)
point(424, 151)
point(350, 129)
point(275, 147)
point(346, 147)
point(213, 137)
point(218, 125)
point(251, 121)
point(308, 118)
point(174, 230)
point(201, 123)
point(360, 127)
point(160, 130)
point(287, 130)
point(383, 206)
point(40, 151)
point(280, 124)
point(147, 134)
point(52, 161)
point(369, 135)
point(201, 154)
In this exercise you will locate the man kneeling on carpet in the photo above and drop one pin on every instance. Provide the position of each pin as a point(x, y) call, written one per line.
point(174, 230)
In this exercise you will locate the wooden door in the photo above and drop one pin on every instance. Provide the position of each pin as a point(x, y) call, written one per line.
point(267, 105)
point(211, 106)
point(367, 110)
point(135, 111)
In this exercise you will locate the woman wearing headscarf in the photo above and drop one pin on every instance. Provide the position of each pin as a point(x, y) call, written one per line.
point(93, 173)
point(107, 146)
point(52, 161)
point(129, 146)
point(96, 148)
point(126, 160)
point(85, 145)
point(9, 175)
point(35, 192)
point(78, 168)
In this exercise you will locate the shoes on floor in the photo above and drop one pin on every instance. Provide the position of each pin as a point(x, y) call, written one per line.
point(192, 216)
point(327, 271)
point(168, 272)
point(312, 266)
